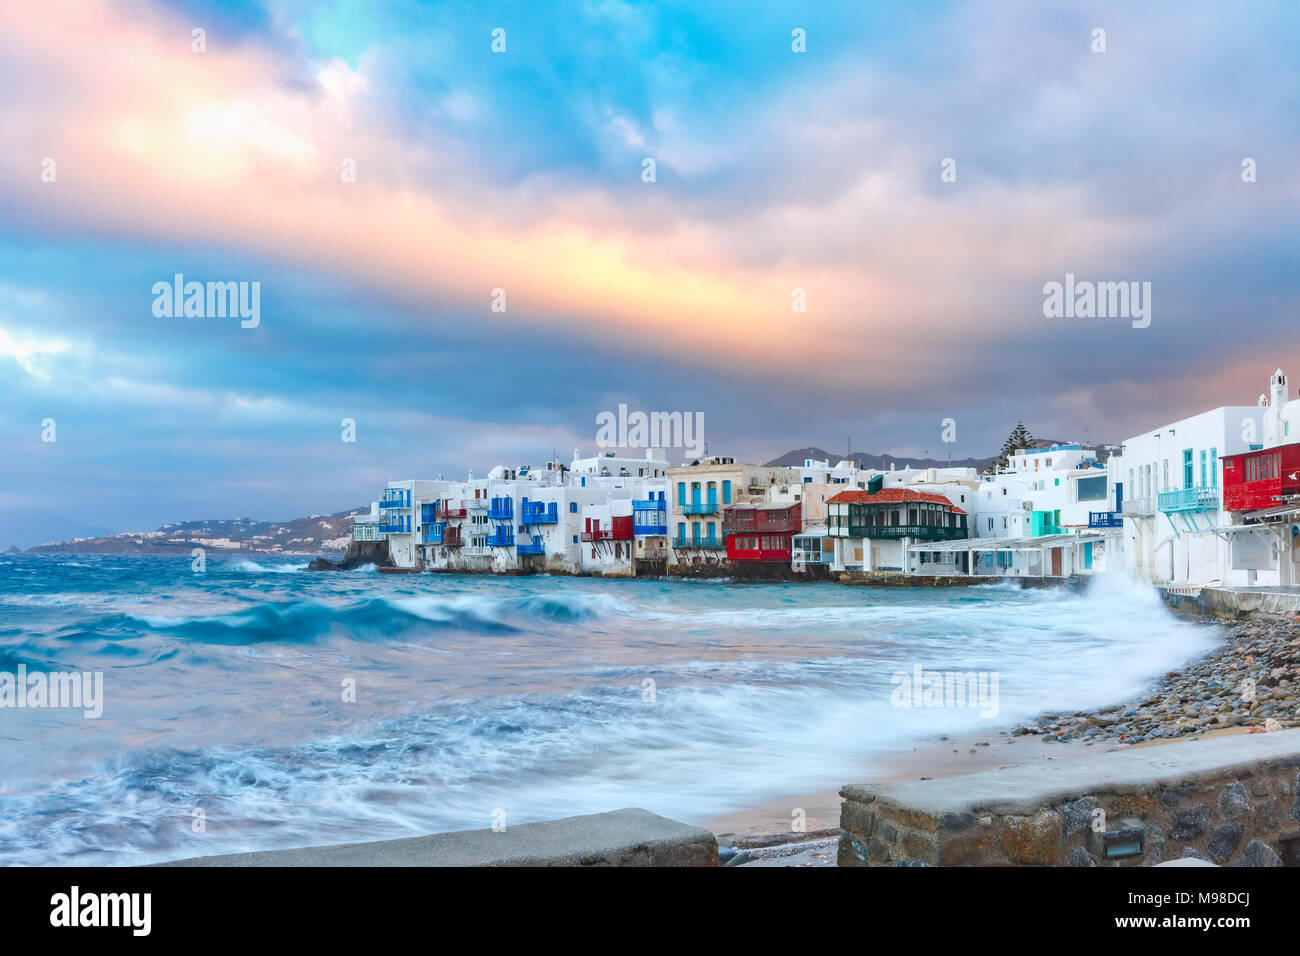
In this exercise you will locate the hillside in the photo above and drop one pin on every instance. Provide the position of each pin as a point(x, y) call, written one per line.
point(310, 535)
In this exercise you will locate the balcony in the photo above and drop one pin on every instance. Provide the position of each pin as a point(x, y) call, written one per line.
point(449, 513)
point(443, 535)
point(391, 500)
point(649, 516)
point(919, 532)
point(500, 539)
point(531, 547)
point(501, 510)
point(1189, 499)
point(704, 545)
point(395, 525)
point(1137, 507)
point(476, 504)
point(1105, 519)
point(742, 523)
point(476, 551)
point(700, 508)
point(539, 512)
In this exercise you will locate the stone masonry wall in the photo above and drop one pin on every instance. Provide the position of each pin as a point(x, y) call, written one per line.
point(1236, 817)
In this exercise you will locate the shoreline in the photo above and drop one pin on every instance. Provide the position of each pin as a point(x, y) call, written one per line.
point(1209, 698)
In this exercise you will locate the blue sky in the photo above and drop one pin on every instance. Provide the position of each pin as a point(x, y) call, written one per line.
point(775, 170)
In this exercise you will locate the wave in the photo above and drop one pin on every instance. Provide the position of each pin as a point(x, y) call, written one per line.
point(255, 568)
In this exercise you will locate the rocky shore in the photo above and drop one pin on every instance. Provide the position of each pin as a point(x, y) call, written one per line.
point(1251, 680)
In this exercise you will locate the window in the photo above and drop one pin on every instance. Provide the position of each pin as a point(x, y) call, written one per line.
point(1204, 466)
point(573, 507)
point(1214, 467)
point(726, 492)
point(1188, 480)
point(681, 492)
point(575, 539)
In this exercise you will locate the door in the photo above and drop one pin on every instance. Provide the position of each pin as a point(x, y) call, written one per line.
point(1056, 562)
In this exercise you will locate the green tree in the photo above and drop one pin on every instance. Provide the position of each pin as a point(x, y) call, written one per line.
point(1019, 438)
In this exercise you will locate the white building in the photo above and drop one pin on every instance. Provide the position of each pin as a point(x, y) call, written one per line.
point(1175, 529)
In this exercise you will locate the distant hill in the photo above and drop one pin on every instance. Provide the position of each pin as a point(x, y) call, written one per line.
point(310, 535)
point(883, 462)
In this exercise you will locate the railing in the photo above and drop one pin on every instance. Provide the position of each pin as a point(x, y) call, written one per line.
point(476, 504)
point(449, 513)
point(540, 513)
point(501, 512)
point(735, 522)
point(1139, 506)
point(395, 527)
point(1189, 499)
point(700, 508)
point(660, 528)
point(501, 539)
point(605, 534)
point(396, 501)
point(705, 544)
point(531, 547)
point(475, 551)
point(922, 532)
point(1105, 519)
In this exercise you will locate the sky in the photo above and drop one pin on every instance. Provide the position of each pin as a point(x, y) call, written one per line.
point(919, 171)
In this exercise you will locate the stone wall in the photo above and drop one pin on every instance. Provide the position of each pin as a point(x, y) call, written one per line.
point(1234, 801)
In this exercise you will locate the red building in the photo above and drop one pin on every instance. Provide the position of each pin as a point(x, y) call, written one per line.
point(761, 532)
point(1258, 479)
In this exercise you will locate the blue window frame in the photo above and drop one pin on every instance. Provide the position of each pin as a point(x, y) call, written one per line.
point(726, 492)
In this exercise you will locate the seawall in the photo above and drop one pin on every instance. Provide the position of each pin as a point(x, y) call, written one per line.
point(1230, 800)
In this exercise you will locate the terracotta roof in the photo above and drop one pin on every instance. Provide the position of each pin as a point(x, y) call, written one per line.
point(886, 496)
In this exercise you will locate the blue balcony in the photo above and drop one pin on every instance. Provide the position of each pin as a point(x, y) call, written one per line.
point(1105, 519)
point(394, 524)
point(428, 512)
point(1188, 499)
point(502, 509)
point(700, 508)
point(531, 547)
point(650, 516)
point(395, 499)
point(433, 533)
point(501, 538)
point(538, 512)
point(704, 544)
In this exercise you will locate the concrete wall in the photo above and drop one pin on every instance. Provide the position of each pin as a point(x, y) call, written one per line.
point(630, 837)
point(1232, 800)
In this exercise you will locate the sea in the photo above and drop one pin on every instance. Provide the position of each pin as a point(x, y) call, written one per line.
point(257, 705)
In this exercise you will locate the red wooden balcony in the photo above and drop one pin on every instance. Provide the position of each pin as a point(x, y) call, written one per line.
point(620, 529)
point(1255, 480)
point(765, 520)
